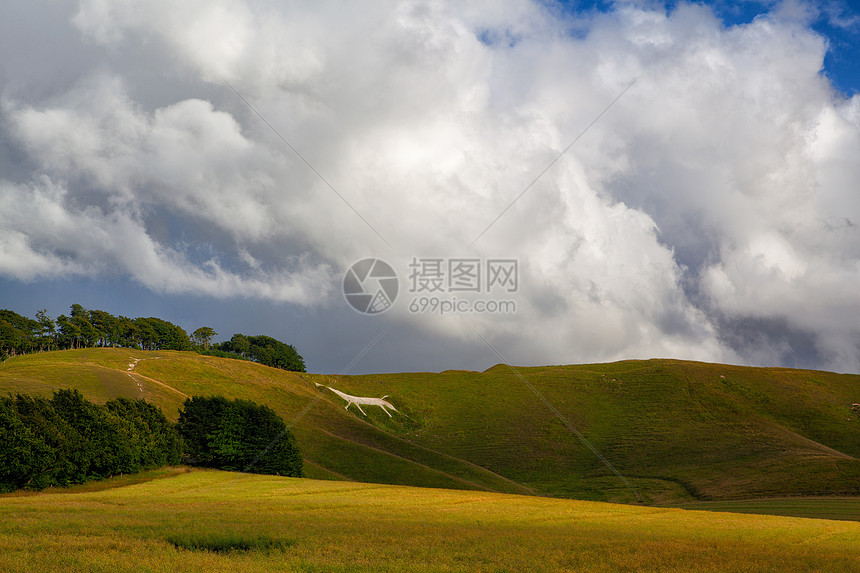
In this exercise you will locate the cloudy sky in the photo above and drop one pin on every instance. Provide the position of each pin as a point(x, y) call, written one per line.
point(672, 179)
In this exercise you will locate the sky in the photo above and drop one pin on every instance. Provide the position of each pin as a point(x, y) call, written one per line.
point(549, 183)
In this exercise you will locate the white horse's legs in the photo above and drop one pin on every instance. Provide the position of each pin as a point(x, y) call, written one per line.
point(359, 400)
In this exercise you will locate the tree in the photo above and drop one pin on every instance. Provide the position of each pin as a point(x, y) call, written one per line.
point(198, 423)
point(22, 452)
point(158, 334)
point(203, 336)
point(68, 439)
point(238, 435)
point(113, 443)
point(47, 329)
point(238, 344)
point(18, 334)
point(157, 442)
point(78, 310)
point(106, 326)
point(270, 445)
point(266, 350)
point(86, 332)
point(69, 457)
point(69, 332)
point(146, 335)
point(128, 332)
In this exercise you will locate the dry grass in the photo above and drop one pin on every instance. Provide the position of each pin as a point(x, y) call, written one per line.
point(338, 526)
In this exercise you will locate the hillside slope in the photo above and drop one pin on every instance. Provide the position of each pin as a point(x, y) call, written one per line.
point(675, 430)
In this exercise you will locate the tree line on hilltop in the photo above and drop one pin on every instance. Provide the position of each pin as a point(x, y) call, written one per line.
point(85, 328)
point(67, 440)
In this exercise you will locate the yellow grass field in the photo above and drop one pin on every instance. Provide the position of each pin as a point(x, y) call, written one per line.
point(127, 524)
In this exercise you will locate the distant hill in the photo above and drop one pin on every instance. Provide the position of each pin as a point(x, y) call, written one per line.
point(677, 431)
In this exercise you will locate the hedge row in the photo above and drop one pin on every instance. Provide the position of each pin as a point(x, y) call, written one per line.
point(67, 440)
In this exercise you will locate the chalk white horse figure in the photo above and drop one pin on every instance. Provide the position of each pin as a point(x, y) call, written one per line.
point(359, 400)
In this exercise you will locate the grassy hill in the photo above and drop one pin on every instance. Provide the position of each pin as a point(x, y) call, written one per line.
point(178, 521)
point(677, 431)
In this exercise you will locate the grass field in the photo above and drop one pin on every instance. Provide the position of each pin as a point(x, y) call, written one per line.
point(178, 521)
point(679, 432)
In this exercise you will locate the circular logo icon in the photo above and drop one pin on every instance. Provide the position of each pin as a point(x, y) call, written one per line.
point(370, 286)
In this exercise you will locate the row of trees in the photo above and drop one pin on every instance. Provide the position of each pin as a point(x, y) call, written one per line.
point(86, 329)
point(97, 328)
point(67, 440)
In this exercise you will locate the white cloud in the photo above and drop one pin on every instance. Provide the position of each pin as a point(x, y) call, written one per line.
point(43, 235)
point(720, 187)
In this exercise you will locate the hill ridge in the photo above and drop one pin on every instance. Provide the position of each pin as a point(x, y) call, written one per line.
point(679, 430)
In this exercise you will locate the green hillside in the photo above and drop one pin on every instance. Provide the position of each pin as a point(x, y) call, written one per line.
point(677, 431)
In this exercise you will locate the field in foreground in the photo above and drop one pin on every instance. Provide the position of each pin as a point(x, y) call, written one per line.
point(309, 525)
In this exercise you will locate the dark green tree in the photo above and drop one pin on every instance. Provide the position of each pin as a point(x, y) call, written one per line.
point(70, 454)
point(271, 352)
point(158, 334)
point(238, 435)
point(109, 439)
point(87, 334)
point(199, 421)
point(238, 344)
point(18, 334)
point(47, 330)
point(203, 336)
point(106, 327)
point(68, 439)
point(23, 454)
point(156, 441)
point(128, 333)
point(146, 335)
point(69, 332)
